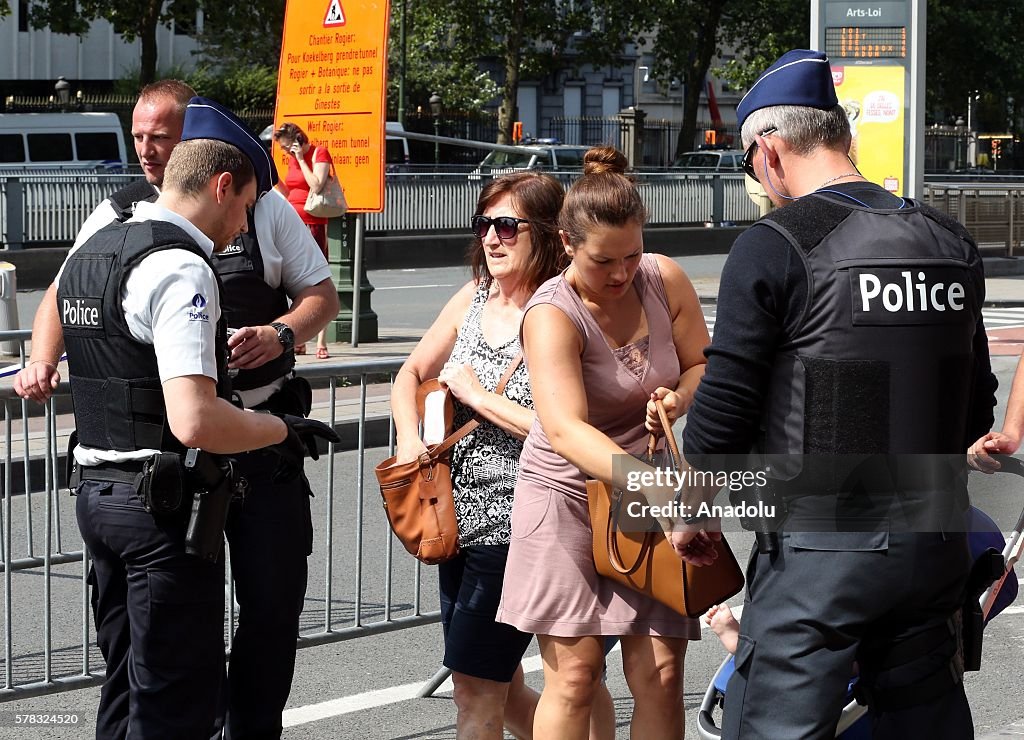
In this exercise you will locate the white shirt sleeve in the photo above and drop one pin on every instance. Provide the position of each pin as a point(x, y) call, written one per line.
point(291, 256)
point(170, 300)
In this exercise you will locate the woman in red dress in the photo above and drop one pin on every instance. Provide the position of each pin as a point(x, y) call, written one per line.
point(309, 167)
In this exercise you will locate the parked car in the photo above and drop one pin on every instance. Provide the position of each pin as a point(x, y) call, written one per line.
point(544, 154)
point(709, 161)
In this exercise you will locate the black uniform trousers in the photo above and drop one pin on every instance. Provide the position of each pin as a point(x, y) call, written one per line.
point(270, 533)
point(159, 616)
point(808, 609)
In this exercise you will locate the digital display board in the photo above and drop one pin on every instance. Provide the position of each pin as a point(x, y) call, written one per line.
point(866, 42)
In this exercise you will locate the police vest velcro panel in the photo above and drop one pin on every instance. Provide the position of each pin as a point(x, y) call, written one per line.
point(882, 360)
point(247, 300)
point(115, 382)
point(123, 201)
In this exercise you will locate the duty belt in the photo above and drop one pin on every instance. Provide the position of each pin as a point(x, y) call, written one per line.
point(123, 472)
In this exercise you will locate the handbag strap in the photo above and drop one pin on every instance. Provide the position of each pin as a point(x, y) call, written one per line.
point(614, 556)
point(330, 166)
point(612, 542)
point(670, 439)
point(448, 442)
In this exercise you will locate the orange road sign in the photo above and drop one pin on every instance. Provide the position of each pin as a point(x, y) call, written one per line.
point(332, 83)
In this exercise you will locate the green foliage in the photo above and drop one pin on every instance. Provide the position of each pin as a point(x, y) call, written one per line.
point(448, 42)
point(242, 34)
point(131, 81)
point(238, 87)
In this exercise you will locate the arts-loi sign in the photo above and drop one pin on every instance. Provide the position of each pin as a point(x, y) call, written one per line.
point(332, 82)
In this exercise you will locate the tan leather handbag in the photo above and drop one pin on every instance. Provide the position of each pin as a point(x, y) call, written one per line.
point(643, 560)
point(418, 495)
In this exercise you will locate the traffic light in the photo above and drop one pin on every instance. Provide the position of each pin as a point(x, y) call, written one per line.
point(997, 145)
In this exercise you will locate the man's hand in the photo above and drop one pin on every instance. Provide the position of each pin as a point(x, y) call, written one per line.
point(253, 346)
point(695, 543)
point(979, 454)
point(37, 381)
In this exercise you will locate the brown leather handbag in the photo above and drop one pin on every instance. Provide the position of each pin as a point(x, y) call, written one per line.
point(418, 494)
point(643, 559)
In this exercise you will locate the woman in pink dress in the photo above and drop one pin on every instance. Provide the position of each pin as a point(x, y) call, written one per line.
point(615, 330)
point(309, 167)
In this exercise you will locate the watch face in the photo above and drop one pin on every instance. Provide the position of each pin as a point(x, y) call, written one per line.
point(285, 336)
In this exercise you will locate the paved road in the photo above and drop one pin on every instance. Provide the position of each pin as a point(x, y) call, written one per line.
point(363, 688)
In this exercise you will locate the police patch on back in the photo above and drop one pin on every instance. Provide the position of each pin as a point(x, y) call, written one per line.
point(81, 312)
point(926, 294)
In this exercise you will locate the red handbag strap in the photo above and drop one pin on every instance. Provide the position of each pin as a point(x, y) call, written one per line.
point(448, 442)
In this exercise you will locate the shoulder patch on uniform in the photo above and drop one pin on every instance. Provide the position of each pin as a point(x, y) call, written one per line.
point(809, 220)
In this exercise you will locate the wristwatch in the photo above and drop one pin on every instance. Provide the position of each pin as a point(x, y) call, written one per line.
point(285, 335)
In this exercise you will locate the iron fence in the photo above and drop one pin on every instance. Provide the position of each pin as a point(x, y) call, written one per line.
point(47, 642)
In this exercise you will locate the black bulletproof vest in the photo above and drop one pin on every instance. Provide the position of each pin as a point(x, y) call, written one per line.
point(115, 383)
point(882, 360)
point(247, 299)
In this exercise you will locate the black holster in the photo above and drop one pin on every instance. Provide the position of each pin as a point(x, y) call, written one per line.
point(765, 529)
point(213, 485)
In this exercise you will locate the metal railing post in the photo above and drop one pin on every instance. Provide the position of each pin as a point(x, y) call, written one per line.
point(14, 237)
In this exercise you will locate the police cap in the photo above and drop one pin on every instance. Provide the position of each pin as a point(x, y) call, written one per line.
point(208, 119)
point(798, 77)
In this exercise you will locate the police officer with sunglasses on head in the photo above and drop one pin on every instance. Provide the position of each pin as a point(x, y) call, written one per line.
point(849, 348)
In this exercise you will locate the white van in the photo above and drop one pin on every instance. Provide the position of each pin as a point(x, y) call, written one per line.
point(36, 141)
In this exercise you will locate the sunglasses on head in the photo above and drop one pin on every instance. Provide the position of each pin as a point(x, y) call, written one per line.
point(748, 157)
point(506, 227)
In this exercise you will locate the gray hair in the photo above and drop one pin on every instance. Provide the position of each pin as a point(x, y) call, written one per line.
point(804, 129)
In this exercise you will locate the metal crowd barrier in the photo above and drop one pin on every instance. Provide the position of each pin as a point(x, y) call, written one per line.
point(47, 642)
point(50, 209)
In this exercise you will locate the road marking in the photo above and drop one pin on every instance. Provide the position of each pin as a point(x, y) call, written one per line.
point(395, 694)
point(410, 287)
point(1003, 318)
point(1012, 610)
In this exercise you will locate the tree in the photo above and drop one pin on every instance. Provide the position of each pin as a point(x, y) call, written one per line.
point(133, 19)
point(525, 38)
point(242, 34)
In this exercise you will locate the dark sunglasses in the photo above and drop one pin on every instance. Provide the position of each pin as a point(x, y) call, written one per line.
point(748, 157)
point(506, 227)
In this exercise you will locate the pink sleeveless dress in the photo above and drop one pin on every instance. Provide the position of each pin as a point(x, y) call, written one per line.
point(551, 586)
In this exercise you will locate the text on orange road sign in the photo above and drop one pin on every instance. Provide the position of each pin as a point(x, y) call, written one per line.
point(332, 83)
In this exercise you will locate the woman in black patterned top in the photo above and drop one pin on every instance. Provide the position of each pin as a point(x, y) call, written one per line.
point(469, 347)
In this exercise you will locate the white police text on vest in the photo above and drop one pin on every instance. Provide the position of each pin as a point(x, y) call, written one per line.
point(84, 312)
point(911, 294)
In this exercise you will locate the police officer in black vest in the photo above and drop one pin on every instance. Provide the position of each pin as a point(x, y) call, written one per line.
point(139, 305)
point(849, 350)
point(277, 287)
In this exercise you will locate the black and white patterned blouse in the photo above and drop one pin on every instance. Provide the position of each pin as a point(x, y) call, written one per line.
point(485, 463)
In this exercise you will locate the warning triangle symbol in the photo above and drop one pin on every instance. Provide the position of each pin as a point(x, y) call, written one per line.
point(335, 15)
